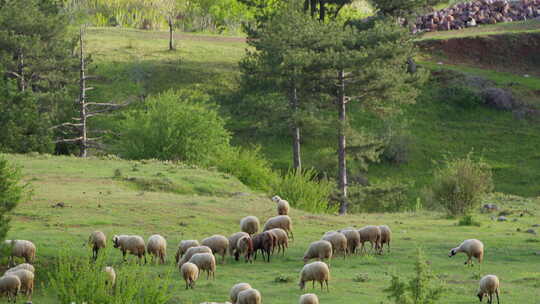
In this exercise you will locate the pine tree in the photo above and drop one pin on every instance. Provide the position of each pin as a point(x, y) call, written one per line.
point(11, 192)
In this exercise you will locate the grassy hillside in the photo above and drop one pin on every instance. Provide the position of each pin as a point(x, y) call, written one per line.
point(109, 195)
point(132, 62)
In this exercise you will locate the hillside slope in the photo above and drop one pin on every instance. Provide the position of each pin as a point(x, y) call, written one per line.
point(107, 195)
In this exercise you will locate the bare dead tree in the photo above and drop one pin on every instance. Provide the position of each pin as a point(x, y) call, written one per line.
point(79, 125)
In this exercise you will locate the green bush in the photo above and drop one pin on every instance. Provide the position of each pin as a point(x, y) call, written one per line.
point(249, 166)
point(459, 185)
point(460, 96)
point(386, 196)
point(304, 190)
point(11, 192)
point(80, 280)
point(175, 125)
point(423, 288)
point(468, 220)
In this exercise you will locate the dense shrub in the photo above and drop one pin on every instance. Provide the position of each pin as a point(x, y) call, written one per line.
point(11, 192)
point(249, 166)
point(78, 280)
point(460, 96)
point(459, 185)
point(423, 288)
point(304, 190)
point(173, 125)
point(397, 142)
point(469, 220)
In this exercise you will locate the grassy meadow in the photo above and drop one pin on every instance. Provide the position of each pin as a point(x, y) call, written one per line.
point(118, 196)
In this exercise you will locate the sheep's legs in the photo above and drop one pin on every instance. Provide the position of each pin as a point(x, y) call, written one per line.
point(327, 288)
point(497, 294)
point(322, 285)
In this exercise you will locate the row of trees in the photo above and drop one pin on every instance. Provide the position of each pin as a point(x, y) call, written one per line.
point(314, 59)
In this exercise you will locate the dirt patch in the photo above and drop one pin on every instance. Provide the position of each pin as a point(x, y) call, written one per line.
point(515, 53)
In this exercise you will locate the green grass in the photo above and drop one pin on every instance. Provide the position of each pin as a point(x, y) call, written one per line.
point(95, 199)
point(135, 62)
point(529, 26)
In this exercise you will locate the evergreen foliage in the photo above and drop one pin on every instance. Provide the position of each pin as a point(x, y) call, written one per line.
point(11, 193)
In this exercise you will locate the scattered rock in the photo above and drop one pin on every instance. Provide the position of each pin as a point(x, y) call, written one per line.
point(183, 224)
point(499, 99)
point(502, 219)
point(531, 231)
point(536, 225)
point(58, 205)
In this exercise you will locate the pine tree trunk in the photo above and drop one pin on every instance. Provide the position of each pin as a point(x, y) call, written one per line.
point(171, 29)
point(297, 160)
point(20, 70)
point(313, 7)
point(322, 13)
point(342, 161)
point(82, 102)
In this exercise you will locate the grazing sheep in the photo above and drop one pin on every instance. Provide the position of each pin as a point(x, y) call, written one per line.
point(21, 249)
point(191, 251)
point(244, 246)
point(489, 285)
point(133, 244)
point(250, 224)
point(281, 221)
point(111, 276)
point(97, 240)
point(353, 239)
point(338, 241)
point(265, 243)
point(318, 250)
point(309, 298)
point(205, 262)
point(157, 247)
point(249, 296)
point(10, 285)
point(472, 247)
point(190, 273)
point(236, 289)
point(219, 245)
point(370, 234)
point(183, 246)
point(233, 239)
point(316, 271)
point(26, 266)
point(282, 205)
point(282, 239)
point(27, 280)
point(386, 237)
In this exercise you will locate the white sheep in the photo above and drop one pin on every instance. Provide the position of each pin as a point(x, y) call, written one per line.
point(386, 237)
point(489, 285)
point(10, 285)
point(157, 247)
point(472, 247)
point(249, 296)
point(353, 239)
point(205, 262)
point(190, 273)
point(338, 241)
point(250, 224)
point(97, 240)
point(281, 221)
point(236, 289)
point(219, 245)
point(370, 234)
point(191, 251)
point(26, 266)
point(318, 250)
point(282, 239)
point(282, 205)
point(316, 271)
point(27, 280)
point(21, 249)
point(111, 276)
point(309, 298)
point(133, 244)
point(183, 246)
point(233, 240)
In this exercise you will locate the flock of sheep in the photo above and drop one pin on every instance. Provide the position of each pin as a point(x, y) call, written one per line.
point(193, 257)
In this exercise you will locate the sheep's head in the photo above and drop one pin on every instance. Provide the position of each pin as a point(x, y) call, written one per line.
point(480, 296)
point(115, 241)
point(302, 284)
point(276, 198)
point(452, 253)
